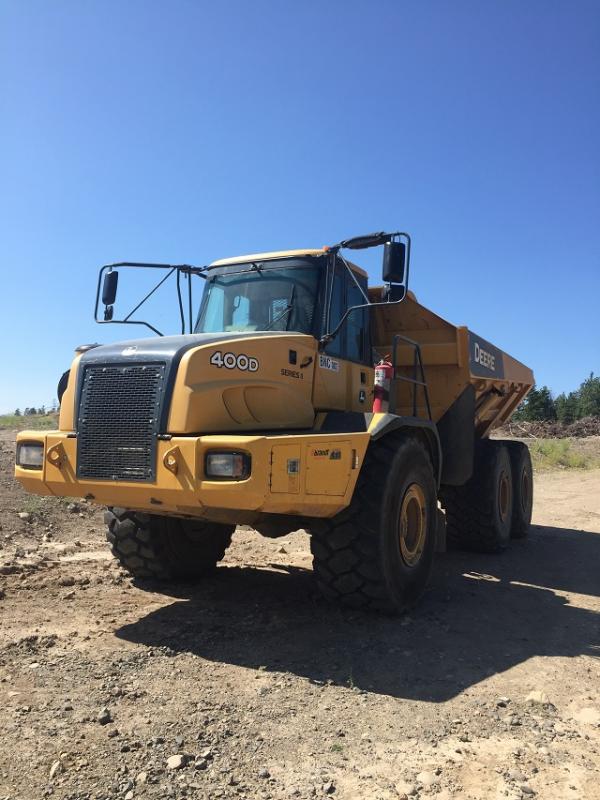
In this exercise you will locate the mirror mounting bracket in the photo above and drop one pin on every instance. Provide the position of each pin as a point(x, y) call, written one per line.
point(109, 292)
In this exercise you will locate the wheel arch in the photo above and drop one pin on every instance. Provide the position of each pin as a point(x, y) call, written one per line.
point(426, 430)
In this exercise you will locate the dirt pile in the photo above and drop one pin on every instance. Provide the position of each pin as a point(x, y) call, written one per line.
point(547, 429)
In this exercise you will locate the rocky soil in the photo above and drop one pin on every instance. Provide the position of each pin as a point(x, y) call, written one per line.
point(251, 686)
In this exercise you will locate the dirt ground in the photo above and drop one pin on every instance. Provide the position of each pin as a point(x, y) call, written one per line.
point(251, 686)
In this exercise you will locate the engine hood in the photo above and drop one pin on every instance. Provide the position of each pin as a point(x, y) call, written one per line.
point(230, 381)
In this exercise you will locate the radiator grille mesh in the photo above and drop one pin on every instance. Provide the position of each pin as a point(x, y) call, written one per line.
point(118, 421)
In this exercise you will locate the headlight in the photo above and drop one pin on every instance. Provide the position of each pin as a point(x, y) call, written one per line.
point(227, 466)
point(30, 455)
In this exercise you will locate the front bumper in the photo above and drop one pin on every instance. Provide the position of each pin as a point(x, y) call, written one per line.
point(310, 475)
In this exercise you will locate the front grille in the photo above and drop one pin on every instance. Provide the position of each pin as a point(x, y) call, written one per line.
point(118, 421)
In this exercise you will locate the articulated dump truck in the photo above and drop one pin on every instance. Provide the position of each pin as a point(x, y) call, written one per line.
point(296, 396)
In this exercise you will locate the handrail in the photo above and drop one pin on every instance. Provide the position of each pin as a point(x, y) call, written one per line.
point(417, 365)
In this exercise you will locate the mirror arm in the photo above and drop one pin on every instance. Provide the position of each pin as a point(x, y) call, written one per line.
point(353, 276)
point(150, 293)
point(328, 337)
point(180, 302)
point(186, 269)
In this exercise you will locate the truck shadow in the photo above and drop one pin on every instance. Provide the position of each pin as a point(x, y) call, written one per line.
point(480, 616)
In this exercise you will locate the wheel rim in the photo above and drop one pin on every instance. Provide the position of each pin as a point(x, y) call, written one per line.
point(525, 490)
point(412, 526)
point(504, 496)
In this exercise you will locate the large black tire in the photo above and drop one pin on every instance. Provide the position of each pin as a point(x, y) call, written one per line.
point(378, 553)
point(522, 478)
point(165, 548)
point(479, 513)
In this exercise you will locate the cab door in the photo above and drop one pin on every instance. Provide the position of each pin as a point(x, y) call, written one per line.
point(343, 371)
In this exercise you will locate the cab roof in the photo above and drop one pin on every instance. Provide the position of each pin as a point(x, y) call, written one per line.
point(227, 262)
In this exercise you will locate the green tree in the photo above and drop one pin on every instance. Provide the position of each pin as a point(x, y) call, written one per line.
point(567, 407)
point(538, 405)
point(17, 412)
point(589, 397)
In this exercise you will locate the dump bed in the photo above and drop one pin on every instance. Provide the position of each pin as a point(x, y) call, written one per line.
point(454, 358)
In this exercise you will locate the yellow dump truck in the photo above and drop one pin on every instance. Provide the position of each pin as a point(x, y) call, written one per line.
point(298, 398)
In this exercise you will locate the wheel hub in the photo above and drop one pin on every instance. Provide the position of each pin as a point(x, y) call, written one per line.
point(412, 525)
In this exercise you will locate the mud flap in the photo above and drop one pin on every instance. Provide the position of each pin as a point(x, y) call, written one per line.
point(440, 532)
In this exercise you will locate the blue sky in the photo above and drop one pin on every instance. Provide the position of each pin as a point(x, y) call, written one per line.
point(188, 131)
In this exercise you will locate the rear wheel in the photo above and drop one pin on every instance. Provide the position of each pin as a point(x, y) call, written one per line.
point(378, 552)
point(522, 479)
point(479, 513)
point(165, 548)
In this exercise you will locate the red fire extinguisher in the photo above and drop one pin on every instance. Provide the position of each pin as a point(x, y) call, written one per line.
point(384, 372)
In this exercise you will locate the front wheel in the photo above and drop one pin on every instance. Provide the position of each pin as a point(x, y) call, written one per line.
point(378, 553)
point(165, 548)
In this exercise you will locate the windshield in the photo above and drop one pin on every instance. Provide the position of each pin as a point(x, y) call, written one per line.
point(260, 297)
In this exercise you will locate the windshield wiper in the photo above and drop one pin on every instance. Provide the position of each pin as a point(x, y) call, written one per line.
point(285, 311)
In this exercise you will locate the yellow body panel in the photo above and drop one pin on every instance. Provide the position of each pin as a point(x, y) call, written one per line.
point(278, 394)
point(317, 486)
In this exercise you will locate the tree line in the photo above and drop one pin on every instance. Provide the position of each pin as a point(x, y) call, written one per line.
point(33, 411)
point(540, 404)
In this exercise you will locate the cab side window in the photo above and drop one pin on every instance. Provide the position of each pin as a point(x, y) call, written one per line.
point(337, 347)
point(357, 324)
point(353, 340)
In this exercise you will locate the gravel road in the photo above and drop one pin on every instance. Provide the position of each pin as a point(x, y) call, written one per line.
point(251, 686)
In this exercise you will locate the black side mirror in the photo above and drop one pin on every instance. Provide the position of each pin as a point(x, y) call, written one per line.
point(394, 262)
point(109, 288)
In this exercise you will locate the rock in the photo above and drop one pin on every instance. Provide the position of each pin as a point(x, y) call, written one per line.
point(55, 769)
point(129, 795)
point(405, 789)
point(264, 773)
point(177, 761)
point(206, 753)
point(200, 763)
point(25, 516)
point(73, 508)
point(2, 594)
point(329, 787)
point(515, 775)
point(426, 778)
point(141, 778)
point(104, 716)
point(66, 580)
point(526, 789)
point(538, 697)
